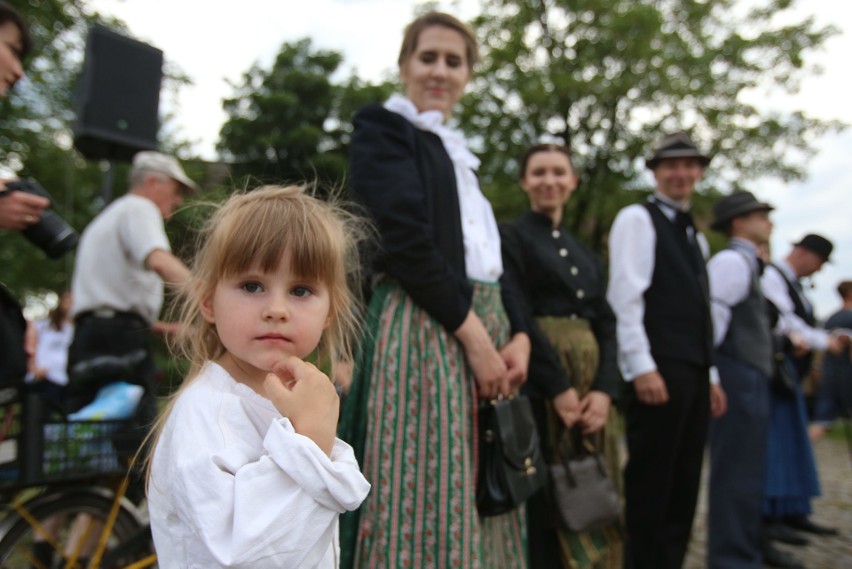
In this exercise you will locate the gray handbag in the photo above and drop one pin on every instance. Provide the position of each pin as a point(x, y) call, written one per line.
point(584, 494)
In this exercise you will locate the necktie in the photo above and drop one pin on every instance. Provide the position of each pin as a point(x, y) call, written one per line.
point(683, 221)
point(684, 224)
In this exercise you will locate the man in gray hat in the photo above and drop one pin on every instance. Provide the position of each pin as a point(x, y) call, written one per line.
point(658, 290)
point(123, 259)
point(742, 335)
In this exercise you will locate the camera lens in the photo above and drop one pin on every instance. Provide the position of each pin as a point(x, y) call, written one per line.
point(52, 235)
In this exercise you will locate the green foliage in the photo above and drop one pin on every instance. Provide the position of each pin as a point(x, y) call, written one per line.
point(610, 77)
point(36, 141)
point(291, 122)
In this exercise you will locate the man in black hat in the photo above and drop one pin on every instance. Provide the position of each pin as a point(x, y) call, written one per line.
point(744, 359)
point(792, 478)
point(658, 290)
point(834, 399)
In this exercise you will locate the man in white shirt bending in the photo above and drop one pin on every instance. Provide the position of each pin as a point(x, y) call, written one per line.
point(123, 259)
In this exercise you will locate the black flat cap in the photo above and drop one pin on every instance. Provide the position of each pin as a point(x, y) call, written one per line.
point(677, 145)
point(735, 205)
point(816, 243)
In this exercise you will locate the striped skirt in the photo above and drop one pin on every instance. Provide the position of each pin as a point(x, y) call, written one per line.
point(600, 548)
point(411, 417)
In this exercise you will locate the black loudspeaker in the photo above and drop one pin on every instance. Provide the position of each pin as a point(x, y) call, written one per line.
point(119, 97)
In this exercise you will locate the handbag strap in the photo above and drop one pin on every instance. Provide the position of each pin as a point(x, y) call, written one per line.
point(573, 438)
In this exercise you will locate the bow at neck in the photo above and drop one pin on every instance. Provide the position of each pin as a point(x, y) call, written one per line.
point(433, 121)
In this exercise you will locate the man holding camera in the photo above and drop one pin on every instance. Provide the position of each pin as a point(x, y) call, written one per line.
point(18, 210)
point(123, 259)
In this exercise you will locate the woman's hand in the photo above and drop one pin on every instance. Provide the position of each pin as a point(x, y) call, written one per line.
point(567, 407)
point(594, 409)
point(306, 396)
point(488, 366)
point(343, 374)
point(516, 355)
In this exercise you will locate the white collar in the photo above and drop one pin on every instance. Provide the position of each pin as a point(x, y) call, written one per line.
point(433, 121)
point(667, 201)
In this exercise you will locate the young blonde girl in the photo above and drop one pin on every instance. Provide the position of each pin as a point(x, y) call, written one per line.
point(246, 470)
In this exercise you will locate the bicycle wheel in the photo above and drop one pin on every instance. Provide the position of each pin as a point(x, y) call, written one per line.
point(75, 521)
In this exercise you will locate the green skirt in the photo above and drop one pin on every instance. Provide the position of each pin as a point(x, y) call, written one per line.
point(578, 349)
point(411, 417)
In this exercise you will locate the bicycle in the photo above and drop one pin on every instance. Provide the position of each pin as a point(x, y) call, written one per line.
point(65, 484)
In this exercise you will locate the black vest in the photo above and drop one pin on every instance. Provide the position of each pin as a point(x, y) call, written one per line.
point(803, 363)
point(749, 337)
point(677, 305)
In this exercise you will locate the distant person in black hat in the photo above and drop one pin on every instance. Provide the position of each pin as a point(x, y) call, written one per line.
point(744, 359)
point(791, 476)
point(834, 399)
point(658, 290)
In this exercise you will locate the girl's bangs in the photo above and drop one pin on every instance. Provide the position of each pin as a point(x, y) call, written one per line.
point(262, 232)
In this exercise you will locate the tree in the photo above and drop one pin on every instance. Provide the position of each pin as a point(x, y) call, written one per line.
point(291, 122)
point(608, 77)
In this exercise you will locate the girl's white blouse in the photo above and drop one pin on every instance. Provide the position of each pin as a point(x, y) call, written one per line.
point(233, 485)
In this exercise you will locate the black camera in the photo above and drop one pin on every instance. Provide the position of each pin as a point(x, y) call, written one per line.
point(51, 234)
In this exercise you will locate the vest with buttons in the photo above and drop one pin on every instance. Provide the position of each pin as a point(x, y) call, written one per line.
point(677, 306)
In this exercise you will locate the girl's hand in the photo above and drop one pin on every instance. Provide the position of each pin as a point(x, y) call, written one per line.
point(488, 366)
point(594, 409)
point(306, 396)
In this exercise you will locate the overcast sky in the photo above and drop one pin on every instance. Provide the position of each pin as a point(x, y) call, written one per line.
point(216, 41)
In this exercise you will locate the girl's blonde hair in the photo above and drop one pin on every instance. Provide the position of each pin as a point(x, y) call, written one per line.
point(256, 228)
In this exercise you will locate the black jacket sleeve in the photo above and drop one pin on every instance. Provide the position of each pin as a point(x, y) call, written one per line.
point(603, 327)
point(513, 304)
point(546, 376)
point(385, 178)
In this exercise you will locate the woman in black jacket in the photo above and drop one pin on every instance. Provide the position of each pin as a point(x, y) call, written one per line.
point(572, 374)
point(441, 330)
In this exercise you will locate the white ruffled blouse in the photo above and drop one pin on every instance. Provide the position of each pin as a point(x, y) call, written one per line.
point(483, 260)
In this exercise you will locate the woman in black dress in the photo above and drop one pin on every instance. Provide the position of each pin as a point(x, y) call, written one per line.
point(572, 374)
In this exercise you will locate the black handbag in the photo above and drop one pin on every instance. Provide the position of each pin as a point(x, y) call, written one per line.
point(584, 494)
point(511, 464)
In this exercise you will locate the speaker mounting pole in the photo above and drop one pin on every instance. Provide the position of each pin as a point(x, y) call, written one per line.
point(109, 183)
